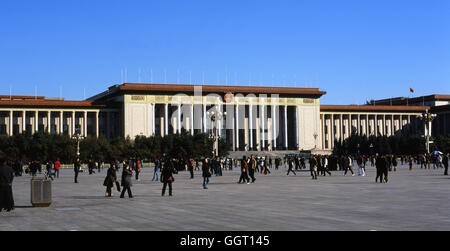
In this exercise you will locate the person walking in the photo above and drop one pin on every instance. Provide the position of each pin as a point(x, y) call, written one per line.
point(190, 165)
point(138, 167)
point(76, 168)
point(156, 169)
point(325, 165)
point(445, 163)
point(348, 164)
point(244, 171)
point(277, 163)
point(48, 167)
point(379, 164)
point(394, 163)
point(206, 174)
point(127, 174)
point(6, 180)
point(266, 166)
point(110, 180)
point(291, 166)
point(167, 176)
point(252, 168)
point(410, 160)
point(359, 162)
point(57, 167)
point(313, 167)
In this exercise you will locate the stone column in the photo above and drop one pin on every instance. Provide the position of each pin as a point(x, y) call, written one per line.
point(296, 117)
point(332, 131)
point(85, 124)
point(191, 119)
point(258, 133)
point(274, 128)
point(49, 121)
point(367, 126)
point(250, 126)
point(166, 119)
point(246, 130)
point(392, 125)
point(322, 126)
point(359, 125)
point(236, 121)
point(285, 128)
point(263, 129)
point(36, 121)
point(24, 120)
point(97, 124)
point(72, 129)
point(179, 119)
point(11, 121)
point(60, 129)
point(204, 118)
point(153, 119)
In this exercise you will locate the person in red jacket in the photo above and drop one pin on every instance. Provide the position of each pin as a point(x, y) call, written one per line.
point(57, 167)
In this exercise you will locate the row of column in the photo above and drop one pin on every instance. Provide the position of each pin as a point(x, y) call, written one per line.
point(341, 126)
point(58, 121)
point(265, 124)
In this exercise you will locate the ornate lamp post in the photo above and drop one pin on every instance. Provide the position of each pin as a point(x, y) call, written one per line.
point(427, 118)
point(215, 117)
point(77, 136)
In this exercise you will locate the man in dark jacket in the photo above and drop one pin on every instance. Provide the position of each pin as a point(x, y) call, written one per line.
point(127, 173)
point(110, 180)
point(6, 179)
point(76, 168)
point(380, 165)
point(445, 162)
point(167, 176)
point(291, 166)
point(252, 167)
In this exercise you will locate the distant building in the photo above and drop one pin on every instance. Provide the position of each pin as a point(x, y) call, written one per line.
point(439, 105)
point(257, 118)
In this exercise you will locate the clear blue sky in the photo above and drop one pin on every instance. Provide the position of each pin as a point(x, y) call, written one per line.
point(354, 50)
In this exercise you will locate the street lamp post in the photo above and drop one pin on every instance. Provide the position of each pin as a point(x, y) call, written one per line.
point(215, 116)
point(427, 118)
point(78, 138)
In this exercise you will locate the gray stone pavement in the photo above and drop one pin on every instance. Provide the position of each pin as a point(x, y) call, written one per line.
point(412, 200)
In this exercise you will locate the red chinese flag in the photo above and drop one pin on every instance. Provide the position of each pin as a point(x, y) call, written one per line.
point(411, 90)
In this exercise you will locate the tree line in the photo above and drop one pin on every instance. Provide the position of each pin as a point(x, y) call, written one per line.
point(405, 145)
point(44, 146)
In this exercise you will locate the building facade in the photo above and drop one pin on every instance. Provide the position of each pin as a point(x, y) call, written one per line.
point(252, 118)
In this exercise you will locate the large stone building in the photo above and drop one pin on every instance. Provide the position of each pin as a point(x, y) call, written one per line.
point(254, 118)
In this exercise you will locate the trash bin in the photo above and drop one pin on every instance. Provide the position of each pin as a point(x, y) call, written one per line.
point(41, 192)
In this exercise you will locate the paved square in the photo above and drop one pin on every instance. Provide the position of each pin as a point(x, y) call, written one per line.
point(417, 200)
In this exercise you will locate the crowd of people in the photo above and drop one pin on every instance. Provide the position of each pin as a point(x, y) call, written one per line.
point(165, 168)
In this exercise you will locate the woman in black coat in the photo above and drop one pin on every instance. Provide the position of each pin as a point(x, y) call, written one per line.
point(6, 179)
point(110, 180)
point(206, 173)
point(127, 174)
point(166, 176)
